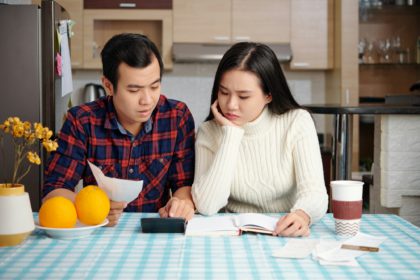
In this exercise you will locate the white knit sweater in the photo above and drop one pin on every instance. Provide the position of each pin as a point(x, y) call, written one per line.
point(272, 164)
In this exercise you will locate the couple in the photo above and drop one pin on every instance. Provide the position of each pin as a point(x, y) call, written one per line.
point(257, 152)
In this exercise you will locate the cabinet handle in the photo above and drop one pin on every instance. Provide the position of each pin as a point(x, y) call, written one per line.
point(127, 5)
point(221, 38)
point(96, 50)
point(242, 38)
point(300, 64)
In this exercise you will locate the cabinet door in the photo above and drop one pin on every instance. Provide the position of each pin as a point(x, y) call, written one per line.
point(202, 21)
point(312, 34)
point(75, 10)
point(262, 21)
point(101, 25)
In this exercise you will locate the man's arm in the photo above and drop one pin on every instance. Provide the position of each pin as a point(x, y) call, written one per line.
point(180, 205)
point(67, 164)
point(181, 171)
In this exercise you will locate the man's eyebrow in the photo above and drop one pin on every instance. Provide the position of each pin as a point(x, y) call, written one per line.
point(141, 86)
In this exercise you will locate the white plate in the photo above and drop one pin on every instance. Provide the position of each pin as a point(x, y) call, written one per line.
point(79, 231)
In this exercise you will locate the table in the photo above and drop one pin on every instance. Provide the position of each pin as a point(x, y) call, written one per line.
point(126, 253)
point(343, 127)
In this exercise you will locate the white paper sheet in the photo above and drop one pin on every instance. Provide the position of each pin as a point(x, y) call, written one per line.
point(296, 248)
point(117, 189)
point(66, 76)
point(331, 253)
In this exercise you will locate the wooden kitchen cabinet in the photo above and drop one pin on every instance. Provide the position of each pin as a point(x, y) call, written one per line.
point(222, 21)
point(312, 34)
point(203, 21)
point(101, 24)
point(75, 10)
point(266, 21)
point(132, 4)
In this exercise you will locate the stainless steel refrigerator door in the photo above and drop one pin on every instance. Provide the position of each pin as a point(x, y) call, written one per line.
point(20, 80)
point(54, 105)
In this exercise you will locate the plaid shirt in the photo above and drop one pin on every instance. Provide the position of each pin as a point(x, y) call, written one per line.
point(162, 154)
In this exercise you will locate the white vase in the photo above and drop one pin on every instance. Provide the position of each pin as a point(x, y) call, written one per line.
point(16, 218)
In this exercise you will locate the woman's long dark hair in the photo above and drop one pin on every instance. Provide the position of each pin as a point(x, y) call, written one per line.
point(262, 61)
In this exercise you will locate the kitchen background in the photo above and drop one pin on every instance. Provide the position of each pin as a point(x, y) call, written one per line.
point(192, 84)
point(343, 52)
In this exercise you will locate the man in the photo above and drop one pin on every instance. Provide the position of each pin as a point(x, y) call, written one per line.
point(134, 133)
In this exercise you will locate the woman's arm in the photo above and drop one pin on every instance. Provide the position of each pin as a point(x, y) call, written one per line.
point(312, 197)
point(215, 167)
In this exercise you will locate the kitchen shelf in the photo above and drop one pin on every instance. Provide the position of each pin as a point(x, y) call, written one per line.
point(374, 14)
point(389, 64)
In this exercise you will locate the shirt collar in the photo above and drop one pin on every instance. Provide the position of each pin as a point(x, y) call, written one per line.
point(111, 121)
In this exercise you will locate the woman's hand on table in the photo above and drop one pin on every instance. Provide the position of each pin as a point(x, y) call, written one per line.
point(115, 212)
point(177, 208)
point(293, 224)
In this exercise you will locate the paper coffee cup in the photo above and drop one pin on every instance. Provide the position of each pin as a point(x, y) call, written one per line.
point(347, 201)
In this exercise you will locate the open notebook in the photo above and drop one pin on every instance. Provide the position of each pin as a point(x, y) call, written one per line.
point(230, 225)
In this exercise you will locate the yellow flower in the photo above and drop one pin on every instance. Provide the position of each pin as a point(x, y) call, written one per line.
point(50, 145)
point(33, 158)
point(5, 126)
point(38, 130)
point(18, 130)
point(46, 133)
point(25, 134)
point(30, 136)
point(27, 125)
point(16, 120)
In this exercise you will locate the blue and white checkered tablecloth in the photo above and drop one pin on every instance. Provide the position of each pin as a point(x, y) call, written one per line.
point(126, 253)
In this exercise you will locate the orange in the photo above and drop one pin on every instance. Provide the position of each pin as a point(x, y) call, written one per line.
point(58, 212)
point(92, 205)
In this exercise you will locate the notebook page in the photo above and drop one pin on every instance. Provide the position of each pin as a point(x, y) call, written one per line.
point(260, 220)
point(207, 225)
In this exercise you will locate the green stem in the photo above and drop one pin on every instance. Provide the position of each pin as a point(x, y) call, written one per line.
point(18, 160)
point(15, 160)
point(24, 174)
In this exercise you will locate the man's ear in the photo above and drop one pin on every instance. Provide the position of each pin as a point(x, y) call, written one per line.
point(109, 88)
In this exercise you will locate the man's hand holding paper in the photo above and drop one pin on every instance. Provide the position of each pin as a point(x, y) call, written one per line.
point(120, 191)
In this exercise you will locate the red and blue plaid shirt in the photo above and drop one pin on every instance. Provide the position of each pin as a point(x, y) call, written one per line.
point(162, 154)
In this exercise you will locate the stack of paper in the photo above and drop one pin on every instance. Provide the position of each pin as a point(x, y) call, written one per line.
point(330, 252)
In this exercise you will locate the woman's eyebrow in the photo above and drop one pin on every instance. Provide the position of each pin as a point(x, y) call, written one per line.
point(237, 91)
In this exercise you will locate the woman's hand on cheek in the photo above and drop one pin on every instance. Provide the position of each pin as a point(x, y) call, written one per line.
point(218, 116)
point(293, 225)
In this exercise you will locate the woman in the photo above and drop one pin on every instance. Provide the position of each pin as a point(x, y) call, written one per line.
point(258, 150)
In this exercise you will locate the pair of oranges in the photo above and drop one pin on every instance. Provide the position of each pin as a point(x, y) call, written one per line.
point(91, 207)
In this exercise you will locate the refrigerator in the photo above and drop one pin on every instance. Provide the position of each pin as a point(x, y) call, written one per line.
point(30, 83)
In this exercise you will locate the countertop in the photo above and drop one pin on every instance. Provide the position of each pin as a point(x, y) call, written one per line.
point(363, 109)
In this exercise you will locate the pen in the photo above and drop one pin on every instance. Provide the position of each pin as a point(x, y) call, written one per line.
point(359, 248)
